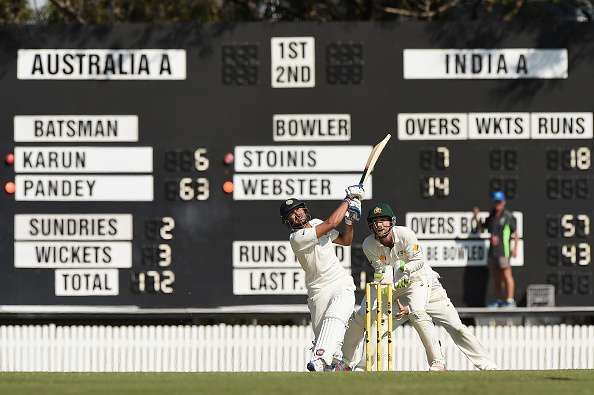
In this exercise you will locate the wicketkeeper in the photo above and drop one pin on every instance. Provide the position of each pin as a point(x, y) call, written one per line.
point(330, 288)
point(395, 249)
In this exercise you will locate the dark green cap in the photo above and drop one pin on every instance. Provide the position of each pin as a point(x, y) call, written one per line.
point(380, 210)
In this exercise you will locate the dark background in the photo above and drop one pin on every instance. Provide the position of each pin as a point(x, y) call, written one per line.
point(227, 100)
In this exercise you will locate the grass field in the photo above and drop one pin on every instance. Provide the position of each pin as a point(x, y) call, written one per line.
point(556, 382)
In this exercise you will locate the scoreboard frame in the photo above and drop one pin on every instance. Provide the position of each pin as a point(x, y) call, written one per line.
point(281, 110)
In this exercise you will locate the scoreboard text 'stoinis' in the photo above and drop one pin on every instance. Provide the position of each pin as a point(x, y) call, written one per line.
point(145, 165)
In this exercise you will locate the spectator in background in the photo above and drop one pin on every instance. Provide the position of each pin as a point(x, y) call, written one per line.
point(501, 224)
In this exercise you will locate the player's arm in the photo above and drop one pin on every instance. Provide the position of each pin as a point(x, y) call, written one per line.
point(480, 225)
point(515, 237)
point(413, 254)
point(345, 238)
point(379, 266)
point(333, 220)
point(352, 205)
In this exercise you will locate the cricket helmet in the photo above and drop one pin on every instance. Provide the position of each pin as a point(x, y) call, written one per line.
point(290, 205)
point(381, 210)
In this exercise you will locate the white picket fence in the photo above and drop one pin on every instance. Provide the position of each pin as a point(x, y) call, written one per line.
point(264, 348)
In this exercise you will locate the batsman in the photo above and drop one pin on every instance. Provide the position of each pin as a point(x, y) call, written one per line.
point(330, 288)
point(395, 249)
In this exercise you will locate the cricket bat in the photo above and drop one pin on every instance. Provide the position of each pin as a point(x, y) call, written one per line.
point(373, 157)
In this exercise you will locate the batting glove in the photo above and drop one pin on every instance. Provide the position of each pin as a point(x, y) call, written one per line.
point(355, 192)
point(350, 217)
point(354, 210)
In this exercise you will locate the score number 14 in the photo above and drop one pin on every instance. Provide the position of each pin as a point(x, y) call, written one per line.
point(435, 159)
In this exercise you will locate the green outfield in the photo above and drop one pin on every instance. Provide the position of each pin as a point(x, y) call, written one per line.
point(500, 383)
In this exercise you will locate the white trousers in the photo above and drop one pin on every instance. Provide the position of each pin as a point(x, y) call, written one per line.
point(416, 296)
point(442, 311)
point(330, 312)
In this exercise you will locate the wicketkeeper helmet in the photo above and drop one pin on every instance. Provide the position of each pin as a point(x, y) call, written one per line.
point(381, 210)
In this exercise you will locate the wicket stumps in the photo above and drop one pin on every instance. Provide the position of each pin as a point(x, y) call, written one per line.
point(379, 289)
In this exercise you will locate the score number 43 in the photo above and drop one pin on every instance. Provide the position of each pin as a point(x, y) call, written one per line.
point(569, 254)
point(569, 226)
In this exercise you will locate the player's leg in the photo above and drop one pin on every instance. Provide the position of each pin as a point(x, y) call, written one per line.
point(444, 313)
point(508, 282)
point(317, 307)
point(354, 336)
point(333, 326)
point(354, 339)
point(416, 296)
point(495, 271)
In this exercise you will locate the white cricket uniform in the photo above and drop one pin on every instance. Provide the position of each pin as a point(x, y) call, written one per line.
point(330, 289)
point(406, 249)
point(425, 294)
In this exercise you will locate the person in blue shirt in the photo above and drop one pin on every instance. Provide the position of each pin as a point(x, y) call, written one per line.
point(501, 225)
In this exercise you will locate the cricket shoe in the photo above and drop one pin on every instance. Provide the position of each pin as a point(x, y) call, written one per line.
point(496, 303)
point(341, 366)
point(318, 365)
point(437, 366)
point(508, 303)
point(489, 367)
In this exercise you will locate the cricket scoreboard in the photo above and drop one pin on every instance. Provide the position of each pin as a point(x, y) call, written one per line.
point(144, 166)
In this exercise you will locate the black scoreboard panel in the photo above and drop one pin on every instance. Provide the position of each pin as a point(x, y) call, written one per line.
point(299, 106)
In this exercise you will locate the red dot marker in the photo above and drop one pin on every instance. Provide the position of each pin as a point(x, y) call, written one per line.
point(10, 187)
point(228, 187)
point(9, 159)
point(229, 158)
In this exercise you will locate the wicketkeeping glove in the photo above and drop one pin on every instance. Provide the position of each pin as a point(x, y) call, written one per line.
point(403, 282)
point(405, 279)
point(378, 274)
point(355, 192)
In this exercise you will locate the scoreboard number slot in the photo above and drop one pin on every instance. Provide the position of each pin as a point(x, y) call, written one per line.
point(579, 158)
